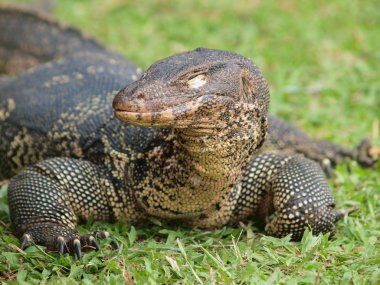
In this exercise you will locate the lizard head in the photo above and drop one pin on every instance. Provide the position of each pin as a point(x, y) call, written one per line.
point(216, 104)
point(202, 90)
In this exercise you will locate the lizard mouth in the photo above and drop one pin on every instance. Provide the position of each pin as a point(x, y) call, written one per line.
point(180, 116)
point(163, 118)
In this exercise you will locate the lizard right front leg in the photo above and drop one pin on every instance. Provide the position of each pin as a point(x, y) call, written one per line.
point(47, 201)
point(289, 193)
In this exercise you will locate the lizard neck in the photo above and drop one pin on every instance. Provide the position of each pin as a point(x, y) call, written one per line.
point(214, 159)
point(196, 171)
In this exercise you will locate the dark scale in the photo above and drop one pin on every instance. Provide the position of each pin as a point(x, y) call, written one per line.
point(186, 149)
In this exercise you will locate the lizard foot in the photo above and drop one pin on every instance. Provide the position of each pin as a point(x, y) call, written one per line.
point(367, 155)
point(64, 239)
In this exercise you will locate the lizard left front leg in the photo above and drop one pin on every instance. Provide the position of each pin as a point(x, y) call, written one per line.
point(48, 199)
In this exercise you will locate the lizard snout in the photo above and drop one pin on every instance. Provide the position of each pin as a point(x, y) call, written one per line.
point(129, 101)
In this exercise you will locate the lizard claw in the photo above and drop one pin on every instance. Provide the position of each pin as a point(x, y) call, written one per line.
point(326, 166)
point(104, 235)
point(77, 248)
point(65, 240)
point(26, 241)
point(61, 245)
point(94, 243)
point(114, 244)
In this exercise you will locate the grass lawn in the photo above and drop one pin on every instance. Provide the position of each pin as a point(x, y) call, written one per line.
point(322, 60)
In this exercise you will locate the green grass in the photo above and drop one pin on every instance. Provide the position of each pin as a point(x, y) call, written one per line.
point(322, 59)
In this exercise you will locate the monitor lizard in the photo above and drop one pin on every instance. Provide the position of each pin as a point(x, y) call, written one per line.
point(188, 140)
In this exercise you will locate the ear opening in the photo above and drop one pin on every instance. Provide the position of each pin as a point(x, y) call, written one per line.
point(264, 131)
point(246, 87)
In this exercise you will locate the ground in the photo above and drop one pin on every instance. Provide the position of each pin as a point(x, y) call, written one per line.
point(322, 61)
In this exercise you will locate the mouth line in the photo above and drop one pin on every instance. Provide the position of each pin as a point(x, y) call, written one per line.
point(152, 113)
point(179, 115)
point(153, 118)
point(132, 112)
point(197, 100)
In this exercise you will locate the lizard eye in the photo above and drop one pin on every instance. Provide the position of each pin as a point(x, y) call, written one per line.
point(197, 81)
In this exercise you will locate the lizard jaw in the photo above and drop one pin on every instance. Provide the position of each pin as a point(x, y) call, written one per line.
point(179, 116)
point(147, 119)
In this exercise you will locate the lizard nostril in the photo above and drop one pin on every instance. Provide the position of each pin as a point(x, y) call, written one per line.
point(141, 96)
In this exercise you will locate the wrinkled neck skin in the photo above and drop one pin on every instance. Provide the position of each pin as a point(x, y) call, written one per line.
point(203, 167)
point(218, 157)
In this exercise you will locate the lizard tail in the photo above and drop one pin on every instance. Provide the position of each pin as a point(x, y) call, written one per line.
point(29, 38)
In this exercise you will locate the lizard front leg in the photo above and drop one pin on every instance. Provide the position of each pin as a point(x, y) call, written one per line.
point(47, 201)
point(287, 193)
point(290, 194)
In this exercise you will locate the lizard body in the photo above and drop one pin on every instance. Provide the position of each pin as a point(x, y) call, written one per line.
point(187, 149)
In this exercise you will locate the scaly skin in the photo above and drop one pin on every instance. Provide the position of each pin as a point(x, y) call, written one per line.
point(28, 39)
point(284, 138)
point(185, 151)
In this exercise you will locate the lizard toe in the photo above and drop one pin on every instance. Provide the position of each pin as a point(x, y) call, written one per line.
point(106, 235)
point(26, 241)
point(54, 237)
point(93, 242)
point(89, 241)
point(65, 240)
point(327, 168)
point(62, 246)
point(77, 248)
